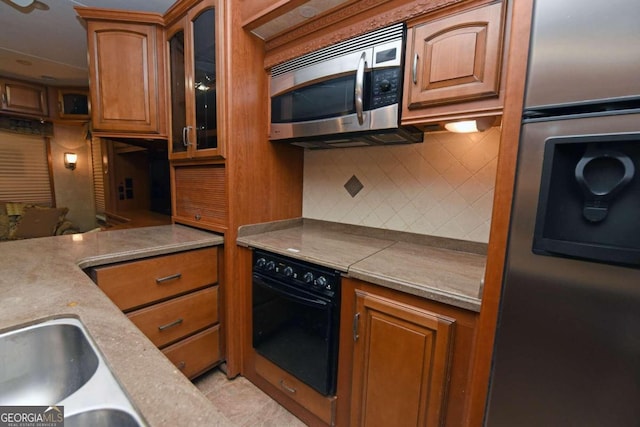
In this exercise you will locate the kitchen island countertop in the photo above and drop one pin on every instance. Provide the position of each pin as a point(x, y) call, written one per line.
point(43, 279)
point(439, 269)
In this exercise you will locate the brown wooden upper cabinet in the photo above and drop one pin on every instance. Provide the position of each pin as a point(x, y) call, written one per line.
point(69, 103)
point(193, 43)
point(453, 64)
point(126, 69)
point(23, 98)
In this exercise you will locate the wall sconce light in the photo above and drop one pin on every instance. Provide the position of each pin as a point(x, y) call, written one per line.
point(467, 126)
point(70, 160)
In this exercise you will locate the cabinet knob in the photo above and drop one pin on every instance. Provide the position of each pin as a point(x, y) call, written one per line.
point(198, 217)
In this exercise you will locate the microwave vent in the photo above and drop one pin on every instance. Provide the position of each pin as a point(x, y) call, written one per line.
point(380, 36)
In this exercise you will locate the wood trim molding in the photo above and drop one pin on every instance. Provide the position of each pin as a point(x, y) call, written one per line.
point(505, 180)
point(101, 14)
point(178, 10)
point(52, 186)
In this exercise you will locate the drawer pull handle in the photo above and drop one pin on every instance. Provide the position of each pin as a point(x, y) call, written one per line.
point(181, 364)
point(170, 325)
point(198, 217)
point(287, 388)
point(160, 280)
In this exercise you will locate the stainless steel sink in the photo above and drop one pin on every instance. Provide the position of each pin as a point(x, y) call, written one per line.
point(57, 363)
point(44, 364)
point(101, 418)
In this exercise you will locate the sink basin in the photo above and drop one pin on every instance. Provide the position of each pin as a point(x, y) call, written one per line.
point(57, 363)
point(101, 418)
point(42, 365)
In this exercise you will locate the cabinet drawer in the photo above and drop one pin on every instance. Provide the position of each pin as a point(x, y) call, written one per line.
point(139, 283)
point(169, 321)
point(321, 406)
point(195, 354)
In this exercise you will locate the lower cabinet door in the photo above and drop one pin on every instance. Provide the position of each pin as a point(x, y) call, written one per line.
point(400, 365)
point(196, 354)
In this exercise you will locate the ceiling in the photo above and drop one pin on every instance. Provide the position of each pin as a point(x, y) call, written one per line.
point(46, 42)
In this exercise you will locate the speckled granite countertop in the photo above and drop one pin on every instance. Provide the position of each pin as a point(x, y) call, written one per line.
point(41, 279)
point(443, 270)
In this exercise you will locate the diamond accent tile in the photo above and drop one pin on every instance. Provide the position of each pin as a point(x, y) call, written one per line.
point(353, 186)
point(442, 187)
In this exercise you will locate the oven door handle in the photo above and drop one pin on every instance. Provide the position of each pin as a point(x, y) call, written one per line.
point(288, 292)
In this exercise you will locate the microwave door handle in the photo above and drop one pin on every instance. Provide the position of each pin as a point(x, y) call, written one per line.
point(360, 88)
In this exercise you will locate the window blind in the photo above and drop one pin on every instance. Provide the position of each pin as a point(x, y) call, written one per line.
point(98, 174)
point(24, 169)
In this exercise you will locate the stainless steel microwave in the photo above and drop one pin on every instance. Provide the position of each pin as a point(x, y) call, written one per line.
point(345, 95)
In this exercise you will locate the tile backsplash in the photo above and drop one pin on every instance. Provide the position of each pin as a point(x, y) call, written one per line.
point(442, 187)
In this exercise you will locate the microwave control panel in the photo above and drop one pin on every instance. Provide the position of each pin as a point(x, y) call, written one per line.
point(385, 87)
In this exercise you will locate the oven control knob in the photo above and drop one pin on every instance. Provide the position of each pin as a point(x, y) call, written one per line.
point(271, 266)
point(320, 282)
point(385, 85)
point(260, 263)
point(308, 277)
point(288, 271)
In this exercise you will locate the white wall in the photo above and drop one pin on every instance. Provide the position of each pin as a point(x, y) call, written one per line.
point(74, 188)
point(442, 187)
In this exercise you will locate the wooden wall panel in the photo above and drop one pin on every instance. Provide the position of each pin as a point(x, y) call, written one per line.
point(516, 73)
point(264, 178)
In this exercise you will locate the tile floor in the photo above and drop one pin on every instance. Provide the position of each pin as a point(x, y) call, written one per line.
point(243, 403)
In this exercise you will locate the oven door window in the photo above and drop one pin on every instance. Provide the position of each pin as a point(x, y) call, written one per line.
point(297, 331)
point(329, 98)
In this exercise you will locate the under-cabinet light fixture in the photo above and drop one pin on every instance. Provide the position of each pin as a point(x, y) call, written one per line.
point(468, 126)
point(70, 160)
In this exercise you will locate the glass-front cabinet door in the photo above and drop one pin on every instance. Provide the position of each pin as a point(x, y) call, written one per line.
point(193, 76)
point(204, 80)
point(178, 96)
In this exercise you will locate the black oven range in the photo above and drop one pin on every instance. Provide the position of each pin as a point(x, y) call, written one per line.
point(296, 312)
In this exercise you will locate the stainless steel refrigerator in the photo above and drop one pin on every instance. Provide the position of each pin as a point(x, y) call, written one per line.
point(567, 349)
